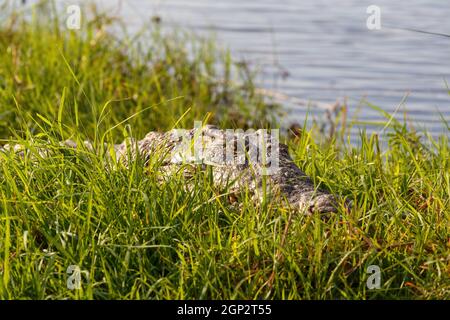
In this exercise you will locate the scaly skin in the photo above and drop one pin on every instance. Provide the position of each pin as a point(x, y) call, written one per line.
point(288, 180)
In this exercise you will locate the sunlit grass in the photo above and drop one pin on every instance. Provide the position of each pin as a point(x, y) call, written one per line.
point(142, 238)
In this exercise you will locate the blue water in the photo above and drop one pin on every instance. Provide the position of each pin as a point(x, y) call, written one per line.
point(326, 50)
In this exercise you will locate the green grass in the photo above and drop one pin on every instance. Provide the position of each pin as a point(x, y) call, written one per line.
point(140, 238)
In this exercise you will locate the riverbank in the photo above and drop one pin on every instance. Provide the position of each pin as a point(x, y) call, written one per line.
point(132, 237)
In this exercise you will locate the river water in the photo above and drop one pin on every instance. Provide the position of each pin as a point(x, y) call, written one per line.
point(322, 50)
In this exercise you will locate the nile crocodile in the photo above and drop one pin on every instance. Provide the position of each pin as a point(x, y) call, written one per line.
point(245, 169)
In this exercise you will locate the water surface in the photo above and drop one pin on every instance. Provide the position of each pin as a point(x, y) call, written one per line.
point(326, 49)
